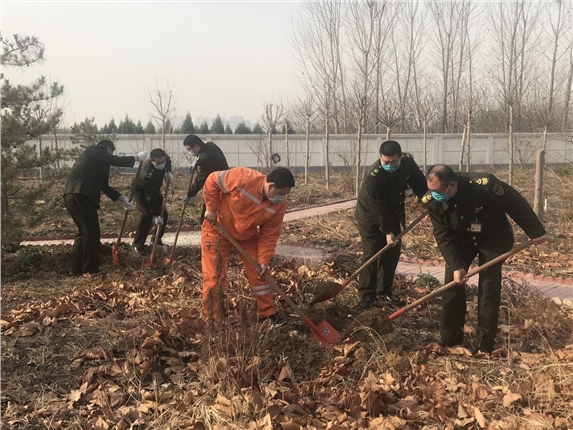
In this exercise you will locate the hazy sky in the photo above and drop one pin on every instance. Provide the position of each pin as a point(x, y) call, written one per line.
point(218, 57)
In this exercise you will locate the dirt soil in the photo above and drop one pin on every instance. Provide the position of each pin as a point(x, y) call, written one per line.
point(129, 349)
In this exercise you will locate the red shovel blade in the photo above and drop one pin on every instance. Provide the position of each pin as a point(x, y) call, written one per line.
point(324, 333)
point(115, 255)
point(150, 263)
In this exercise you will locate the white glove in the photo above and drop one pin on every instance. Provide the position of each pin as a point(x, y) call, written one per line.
point(141, 156)
point(169, 177)
point(158, 220)
point(192, 167)
point(126, 203)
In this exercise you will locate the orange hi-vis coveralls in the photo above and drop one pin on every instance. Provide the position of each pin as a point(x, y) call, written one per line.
point(237, 197)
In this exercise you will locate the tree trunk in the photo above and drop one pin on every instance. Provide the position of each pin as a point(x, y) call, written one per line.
point(388, 132)
point(326, 149)
point(510, 180)
point(544, 143)
point(424, 147)
point(538, 199)
point(469, 140)
point(462, 150)
point(41, 169)
point(286, 146)
point(358, 161)
point(307, 150)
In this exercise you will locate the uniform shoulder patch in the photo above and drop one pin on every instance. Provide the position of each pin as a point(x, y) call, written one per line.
point(407, 155)
point(198, 156)
point(374, 172)
point(482, 181)
point(498, 190)
point(426, 199)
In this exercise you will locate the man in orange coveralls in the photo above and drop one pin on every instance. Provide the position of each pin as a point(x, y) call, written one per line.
point(250, 206)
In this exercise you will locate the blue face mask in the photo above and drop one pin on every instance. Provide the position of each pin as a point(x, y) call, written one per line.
point(160, 166)
point(277, 199)
point(390, 169)
point(441, 197)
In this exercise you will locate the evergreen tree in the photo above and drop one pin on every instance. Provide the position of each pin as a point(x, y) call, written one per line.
point(139, 128)
point(204, 129)
point(257, 129)
point(242, 128)
point(228, 129)
point(111, 127)
point(218, 127)
point(150, 128)
point(187, 127)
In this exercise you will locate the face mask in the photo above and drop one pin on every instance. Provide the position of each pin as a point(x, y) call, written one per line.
point(441, 197)
point(277, 199)
point(160, 166)
point(390, 169)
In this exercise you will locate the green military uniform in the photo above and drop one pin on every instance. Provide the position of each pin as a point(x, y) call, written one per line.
point(147, 195)
point(210, 159)
point(380, 211)
point(471, 223)
point(88, 178)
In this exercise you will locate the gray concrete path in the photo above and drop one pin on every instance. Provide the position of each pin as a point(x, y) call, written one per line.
point(560, 292)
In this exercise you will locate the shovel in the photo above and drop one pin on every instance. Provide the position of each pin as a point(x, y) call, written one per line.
point(449, 285)
point(169, 260)
point(323, 332)
point(333, 289)
point(151, 262)
point(115, 247)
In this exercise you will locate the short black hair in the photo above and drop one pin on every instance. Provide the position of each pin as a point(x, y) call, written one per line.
point(390, 148)
point(281, 177)
point(107, 144)
point(193, 140)
point(157, 153)
point(441, 172)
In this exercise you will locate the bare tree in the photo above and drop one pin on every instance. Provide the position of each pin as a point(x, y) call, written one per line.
point(305, 112)
point(274, 114)
point(162, 109)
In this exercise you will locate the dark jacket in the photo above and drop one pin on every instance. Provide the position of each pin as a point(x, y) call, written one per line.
point(90, 174)
point(148, 184)
point(380, 204)
point(210, 159)
point(483, 199)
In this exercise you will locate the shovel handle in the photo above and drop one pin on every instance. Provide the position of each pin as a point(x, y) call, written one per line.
point(451, 284)
point(180, 223)
point(383, 250)
point(267, 277)
point(126, 212)
point(152, 256)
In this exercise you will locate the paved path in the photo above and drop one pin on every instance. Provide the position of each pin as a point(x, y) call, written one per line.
point(559, 291)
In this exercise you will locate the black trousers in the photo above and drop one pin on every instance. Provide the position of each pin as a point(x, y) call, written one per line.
point(377, 279)
point(489, 297)
point(85, 253)
point(148, 205)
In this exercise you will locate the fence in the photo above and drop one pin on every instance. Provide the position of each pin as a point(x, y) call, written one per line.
point(248, 150)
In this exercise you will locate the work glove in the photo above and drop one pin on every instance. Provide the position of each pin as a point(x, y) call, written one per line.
point(141, 156)
point(169, 177)
point(126, 203)
point(186, 198)
point(158, 220)
point(192, 167)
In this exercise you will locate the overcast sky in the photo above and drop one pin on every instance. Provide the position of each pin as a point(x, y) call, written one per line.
point(218, 57)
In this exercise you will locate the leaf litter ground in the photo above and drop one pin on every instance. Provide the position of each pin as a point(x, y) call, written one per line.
point(129, 349)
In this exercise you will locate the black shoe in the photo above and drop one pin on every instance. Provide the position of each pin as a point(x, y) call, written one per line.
point(140, 251)
point(475, 350)
point(445, 344)
point(365, 305)
point(390, 298)
point(275, 319)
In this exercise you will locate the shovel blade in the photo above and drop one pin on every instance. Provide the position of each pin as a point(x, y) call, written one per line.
point(328, 291)
point(169, 261)
point(324, 333)
point(150, 263)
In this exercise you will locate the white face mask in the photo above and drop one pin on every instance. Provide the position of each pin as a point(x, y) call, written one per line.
point(160, 166)
point(277, 199)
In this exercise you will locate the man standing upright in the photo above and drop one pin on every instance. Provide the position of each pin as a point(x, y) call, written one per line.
point(250, 207)
point(88, 178)
point(380, 214)
point(469, 219)
point(210, 159)
point(147, 195)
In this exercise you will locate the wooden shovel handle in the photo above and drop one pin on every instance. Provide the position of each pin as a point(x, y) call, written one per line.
point(180, 223)
point(130, 197)
point(156, 239)
point(267, 277)
point(451, 284)
point(383, 250)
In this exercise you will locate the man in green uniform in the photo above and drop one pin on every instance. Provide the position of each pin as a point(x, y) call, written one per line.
point(210, 159)
point(88, 178)
point(380, 214)
point(147, 195)
point(469, 219)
